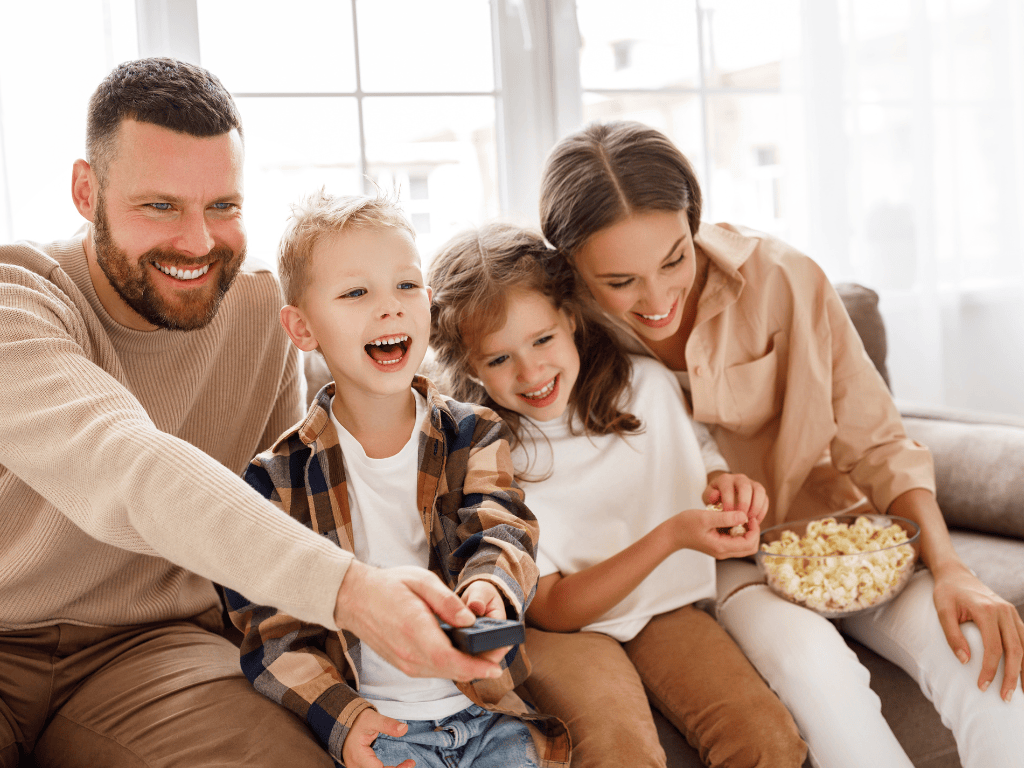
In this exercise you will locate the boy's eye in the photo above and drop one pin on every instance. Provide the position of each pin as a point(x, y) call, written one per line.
point(544, 339)
point(354, 294)
point(497, 361)
point(408, 285)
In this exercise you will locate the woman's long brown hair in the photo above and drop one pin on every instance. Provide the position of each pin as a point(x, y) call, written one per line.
point(607, 171)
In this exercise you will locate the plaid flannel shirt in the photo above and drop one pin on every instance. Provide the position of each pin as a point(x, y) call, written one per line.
point(477, 525)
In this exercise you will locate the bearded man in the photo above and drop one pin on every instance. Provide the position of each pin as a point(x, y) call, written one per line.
point(143, 367)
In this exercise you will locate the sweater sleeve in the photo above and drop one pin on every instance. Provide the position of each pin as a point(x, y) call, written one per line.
point(79, 438)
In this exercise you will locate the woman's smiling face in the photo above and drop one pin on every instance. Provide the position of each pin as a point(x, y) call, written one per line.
point(641, 269)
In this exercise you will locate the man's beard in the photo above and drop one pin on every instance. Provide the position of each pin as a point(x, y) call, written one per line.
point(131, 279)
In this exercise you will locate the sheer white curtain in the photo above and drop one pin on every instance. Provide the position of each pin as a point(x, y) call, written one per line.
point(925, 151)
point(885, 138)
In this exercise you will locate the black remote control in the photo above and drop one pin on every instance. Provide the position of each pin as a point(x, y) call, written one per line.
point(485, 634)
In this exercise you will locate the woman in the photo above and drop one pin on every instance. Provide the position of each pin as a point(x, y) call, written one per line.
point(772, 363)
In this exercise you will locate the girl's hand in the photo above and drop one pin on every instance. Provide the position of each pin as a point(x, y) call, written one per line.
point(707, 531)
point(484, 599)
point(737, 492)
point(357, 751)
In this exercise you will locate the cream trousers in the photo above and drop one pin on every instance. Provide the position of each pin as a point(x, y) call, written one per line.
point(808, 664)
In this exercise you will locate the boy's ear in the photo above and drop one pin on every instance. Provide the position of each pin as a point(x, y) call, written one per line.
point(297, 328)
point(430, 294)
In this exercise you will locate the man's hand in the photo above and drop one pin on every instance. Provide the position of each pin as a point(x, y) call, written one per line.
point(484, 599)
point(393, 611)
point(357, 752)
point(959, 597)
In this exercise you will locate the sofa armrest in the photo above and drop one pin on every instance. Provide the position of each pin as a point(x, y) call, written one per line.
point(978, 466)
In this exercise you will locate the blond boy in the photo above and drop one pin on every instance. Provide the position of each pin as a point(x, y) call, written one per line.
point(387, 468)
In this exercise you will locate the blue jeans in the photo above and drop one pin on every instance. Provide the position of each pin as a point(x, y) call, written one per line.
point(473, 737)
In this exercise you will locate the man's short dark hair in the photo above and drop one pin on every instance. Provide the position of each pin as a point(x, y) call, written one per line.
point(166, 92)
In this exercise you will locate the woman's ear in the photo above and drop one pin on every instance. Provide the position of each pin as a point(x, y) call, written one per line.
point(297, 328)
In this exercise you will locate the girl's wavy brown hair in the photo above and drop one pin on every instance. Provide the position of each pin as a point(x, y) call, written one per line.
point(473, 276)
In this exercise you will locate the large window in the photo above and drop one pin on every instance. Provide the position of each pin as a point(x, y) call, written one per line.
point(352, 94)
point(885, 138)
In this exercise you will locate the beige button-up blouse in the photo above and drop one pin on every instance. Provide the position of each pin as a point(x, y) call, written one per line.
point(780, 376)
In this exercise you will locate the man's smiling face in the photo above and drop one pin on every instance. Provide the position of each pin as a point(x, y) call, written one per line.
point(167, 229)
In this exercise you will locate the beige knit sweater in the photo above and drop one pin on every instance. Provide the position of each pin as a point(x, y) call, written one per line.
point(120, 455)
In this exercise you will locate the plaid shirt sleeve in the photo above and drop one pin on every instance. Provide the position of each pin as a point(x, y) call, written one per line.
point(502, 541)
point(289, 661)
point(487, 530)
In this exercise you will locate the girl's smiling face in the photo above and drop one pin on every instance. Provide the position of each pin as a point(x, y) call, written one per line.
point(641, 269)
point(531, 363)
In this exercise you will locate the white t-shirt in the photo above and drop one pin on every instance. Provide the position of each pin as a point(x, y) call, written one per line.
point(606, 491)
point(387, 531)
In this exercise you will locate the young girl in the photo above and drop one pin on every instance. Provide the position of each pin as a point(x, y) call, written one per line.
point(771, 361)
point(614, 473)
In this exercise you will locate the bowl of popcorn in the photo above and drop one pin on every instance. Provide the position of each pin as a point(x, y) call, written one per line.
point(840, 565)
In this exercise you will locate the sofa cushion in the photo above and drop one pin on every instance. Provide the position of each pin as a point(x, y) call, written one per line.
point(979, 483)
point(997, 561)
point(862, 306)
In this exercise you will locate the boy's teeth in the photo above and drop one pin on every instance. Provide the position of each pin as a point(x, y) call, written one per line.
point(542, 392)
point(183, 274)
point(389, 340)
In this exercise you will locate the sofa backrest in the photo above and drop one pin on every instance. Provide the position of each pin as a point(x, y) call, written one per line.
point(862, 306)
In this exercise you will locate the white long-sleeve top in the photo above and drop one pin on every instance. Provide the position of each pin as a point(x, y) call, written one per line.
point(605, 492)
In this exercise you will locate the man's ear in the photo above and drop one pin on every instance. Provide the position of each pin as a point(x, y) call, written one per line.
point(84, 188)
point(297, 328)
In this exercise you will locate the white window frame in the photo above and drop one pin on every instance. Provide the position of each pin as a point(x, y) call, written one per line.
point(533, 107)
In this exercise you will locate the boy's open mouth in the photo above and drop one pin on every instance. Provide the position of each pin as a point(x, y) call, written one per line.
point(388, 350)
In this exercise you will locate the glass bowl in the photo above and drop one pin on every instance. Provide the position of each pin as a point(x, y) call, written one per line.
point(840, 565)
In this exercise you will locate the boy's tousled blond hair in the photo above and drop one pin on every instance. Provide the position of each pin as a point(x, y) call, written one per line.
point(320, 216)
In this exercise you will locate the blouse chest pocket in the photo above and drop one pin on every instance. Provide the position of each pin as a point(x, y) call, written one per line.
point(755, 390)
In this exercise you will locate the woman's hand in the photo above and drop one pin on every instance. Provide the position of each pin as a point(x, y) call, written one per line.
point(959, 597)
point(737, 492)
point(357, 751)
